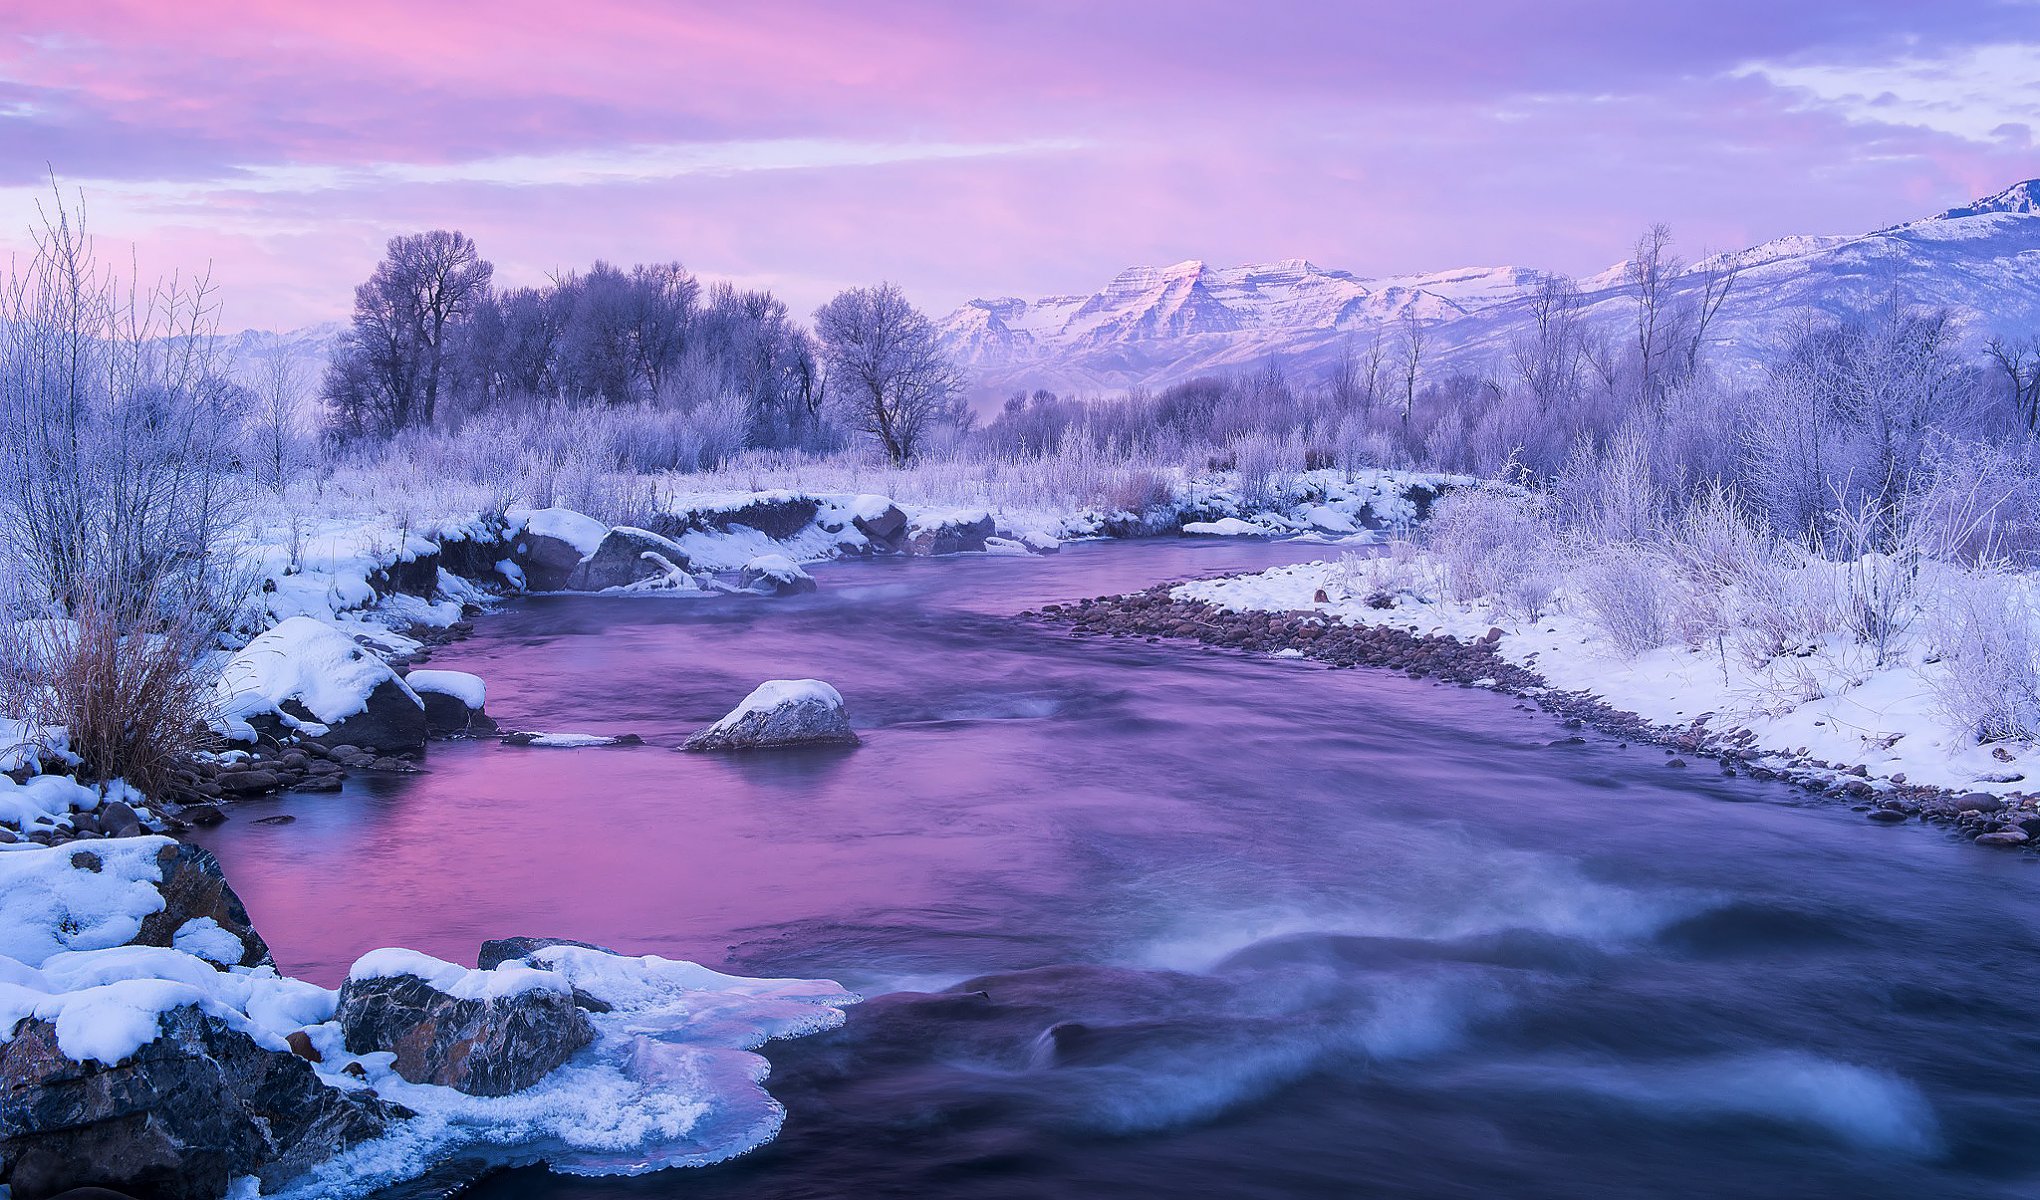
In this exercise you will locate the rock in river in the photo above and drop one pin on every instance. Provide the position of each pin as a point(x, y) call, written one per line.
point(486, 1033)
point(781, 712)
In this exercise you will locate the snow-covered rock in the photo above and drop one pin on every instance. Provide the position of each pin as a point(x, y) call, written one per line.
point(550, 543)
point(775, 575)
point(1225, 527)
point(949, 531)
point(453, 700)
point(484, 1033)
point(308, 677)
point(781, 712)
point(627, 556)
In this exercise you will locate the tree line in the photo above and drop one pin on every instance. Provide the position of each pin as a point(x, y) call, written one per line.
point(433, 341)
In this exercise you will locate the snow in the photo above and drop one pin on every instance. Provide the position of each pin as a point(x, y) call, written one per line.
point(466, 688)
point(462, 983)
point(571, 741)
point(1226, 527)
point(776, 566)
point(44, 800)
point(308, 661)
point(1846, 710)
point(206, 939)
point(775, 694)
point(52, 906)
point(584, 533)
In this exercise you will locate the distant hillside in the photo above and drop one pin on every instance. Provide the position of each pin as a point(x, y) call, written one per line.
point(1157, 325)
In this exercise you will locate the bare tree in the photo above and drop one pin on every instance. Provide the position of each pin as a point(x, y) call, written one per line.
point(1551, 355)
point(1650, 271)
point(1411, 357)
point(2020, 362)
point(1718, 274)
point(885, 363)
point(118, 499)
point(392, 362)
point(282, 394)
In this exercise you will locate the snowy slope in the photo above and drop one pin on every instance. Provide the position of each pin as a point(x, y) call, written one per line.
point(1156, 325)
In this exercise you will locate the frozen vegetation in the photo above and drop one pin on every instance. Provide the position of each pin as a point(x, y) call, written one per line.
point(221, 585)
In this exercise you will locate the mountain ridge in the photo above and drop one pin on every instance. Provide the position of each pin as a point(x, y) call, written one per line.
point(1153, 326)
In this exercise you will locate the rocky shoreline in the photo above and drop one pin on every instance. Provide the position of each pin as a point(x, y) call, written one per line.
point(1156, 615)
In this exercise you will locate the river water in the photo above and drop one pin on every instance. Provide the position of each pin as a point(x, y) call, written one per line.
point(1197, 924)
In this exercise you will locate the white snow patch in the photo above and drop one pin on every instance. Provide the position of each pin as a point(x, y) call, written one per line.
point(466, 688)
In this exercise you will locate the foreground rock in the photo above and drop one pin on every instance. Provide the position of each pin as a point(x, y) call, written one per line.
point(781, 712)
point(305, 677)
point(486, 1033)
point(775, 575)
point(199, 1105)
point(201, 914)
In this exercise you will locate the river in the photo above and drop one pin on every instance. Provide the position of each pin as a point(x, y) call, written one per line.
point(1241, 926)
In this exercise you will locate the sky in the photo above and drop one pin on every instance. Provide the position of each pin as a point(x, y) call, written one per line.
point(961, 149)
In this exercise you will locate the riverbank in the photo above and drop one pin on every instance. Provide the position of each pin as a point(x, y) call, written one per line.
point(1287, 611)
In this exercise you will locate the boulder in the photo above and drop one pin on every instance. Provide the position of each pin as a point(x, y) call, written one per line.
point(486, 1033)
point(194, 888)
point(881, 521)
point(198, 1106)
point(551, 544)
point(627, 556)
point(775, 575)
point(453, 701)
point(949, 532)
point(781, 712)
point(307, 676)
point(497, 951)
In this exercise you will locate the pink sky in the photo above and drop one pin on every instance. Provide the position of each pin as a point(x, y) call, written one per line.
point(965, 149)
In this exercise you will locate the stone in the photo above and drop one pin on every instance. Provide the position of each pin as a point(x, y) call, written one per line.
point(885, 526)
point(497, 951)
point(2004, 837)
point(949, 533)
point(202, 814)
point(547, 562)
point(193, 886)
point(119, 819)
point(248, 781)
point(487, 1046)
point(625, 557)
point(775, 575)
point(196, 1107)
point(781, 712)
point(1887, 816)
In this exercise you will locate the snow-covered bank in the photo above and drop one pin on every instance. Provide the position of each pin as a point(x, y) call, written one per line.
point(1827, 702)
point(104, 977)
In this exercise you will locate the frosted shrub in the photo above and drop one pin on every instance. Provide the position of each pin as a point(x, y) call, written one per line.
point(1988, 679)
point(1628, 590)
point(1494, 545)
point(1262, 459)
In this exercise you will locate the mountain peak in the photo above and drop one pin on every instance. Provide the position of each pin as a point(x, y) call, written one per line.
point(2018, 198)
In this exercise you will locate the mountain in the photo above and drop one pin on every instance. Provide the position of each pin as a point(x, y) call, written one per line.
point(1157, 325)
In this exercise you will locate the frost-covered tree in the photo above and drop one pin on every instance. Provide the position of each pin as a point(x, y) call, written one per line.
point(391, 364)
point(886, 366)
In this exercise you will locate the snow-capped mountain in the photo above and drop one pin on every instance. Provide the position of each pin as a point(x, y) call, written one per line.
point(1157, 325)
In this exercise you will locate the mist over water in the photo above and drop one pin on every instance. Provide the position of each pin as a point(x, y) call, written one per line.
point(1152, 920)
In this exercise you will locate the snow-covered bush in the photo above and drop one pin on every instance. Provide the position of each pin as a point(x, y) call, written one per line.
point(1987, 680)
point(1629, 592)
point(1495, 545)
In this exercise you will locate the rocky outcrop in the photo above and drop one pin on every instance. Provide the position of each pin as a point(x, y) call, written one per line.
point(308, 679)
point(196, 1107)
point(627, 556)
point(194, 888)
point(775, 575)
point(494, 1033)
point(781, 712)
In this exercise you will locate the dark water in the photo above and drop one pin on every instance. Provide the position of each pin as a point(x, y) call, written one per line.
point(1242, 927)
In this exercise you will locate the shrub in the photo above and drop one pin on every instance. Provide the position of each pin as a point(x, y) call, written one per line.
point(1494, 545)
point(1987, 681)
point(1628, 589)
